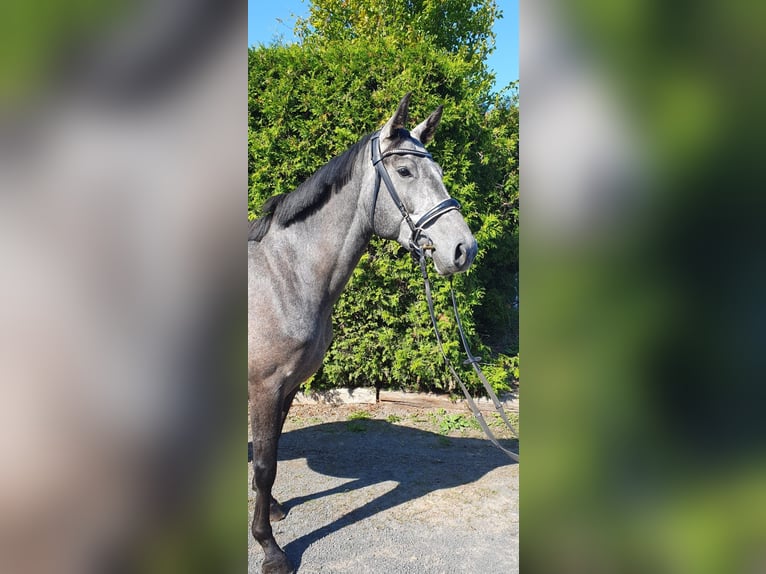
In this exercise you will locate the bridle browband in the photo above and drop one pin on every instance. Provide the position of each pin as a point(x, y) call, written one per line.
point(418, 252)
point(416, 228)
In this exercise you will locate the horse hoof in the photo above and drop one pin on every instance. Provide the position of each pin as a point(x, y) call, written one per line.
point(276, 511)
point(279, 566)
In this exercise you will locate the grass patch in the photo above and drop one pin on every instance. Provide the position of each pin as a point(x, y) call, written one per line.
point(436, 416)
point(418, 418)
point(358, 416)
point(393, 419)
point(356, 426)
point(457, 422)
point(452, 422)
point(497, 422)
point(356, 421)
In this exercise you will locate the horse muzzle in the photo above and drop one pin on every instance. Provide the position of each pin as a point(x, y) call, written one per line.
point(456, 258)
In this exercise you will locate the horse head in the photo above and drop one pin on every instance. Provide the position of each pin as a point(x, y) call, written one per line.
point(417, 211)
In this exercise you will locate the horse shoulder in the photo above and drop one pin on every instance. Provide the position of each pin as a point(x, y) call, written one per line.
point(286, 332)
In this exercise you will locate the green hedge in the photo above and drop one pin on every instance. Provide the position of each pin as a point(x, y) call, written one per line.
point(309, 102)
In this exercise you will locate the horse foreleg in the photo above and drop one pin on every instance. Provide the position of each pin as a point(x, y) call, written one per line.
point(288, 402)
point(276, 510)
point(267, 424)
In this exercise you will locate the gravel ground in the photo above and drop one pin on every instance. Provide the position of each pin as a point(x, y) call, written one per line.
point(389, 493)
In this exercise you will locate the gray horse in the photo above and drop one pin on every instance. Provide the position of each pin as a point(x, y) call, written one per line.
point(301, 254)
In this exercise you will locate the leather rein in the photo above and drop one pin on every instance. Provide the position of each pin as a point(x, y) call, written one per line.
point(418, 251)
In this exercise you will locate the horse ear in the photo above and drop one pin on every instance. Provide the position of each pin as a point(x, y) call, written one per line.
point(425, 130)
point(397, 121)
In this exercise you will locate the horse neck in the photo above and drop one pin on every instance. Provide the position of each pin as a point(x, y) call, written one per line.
point(329, 243)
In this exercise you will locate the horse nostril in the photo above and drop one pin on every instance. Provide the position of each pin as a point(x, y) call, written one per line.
point(460, 255)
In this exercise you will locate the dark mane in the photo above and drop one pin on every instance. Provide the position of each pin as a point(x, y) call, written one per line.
point(308, 197)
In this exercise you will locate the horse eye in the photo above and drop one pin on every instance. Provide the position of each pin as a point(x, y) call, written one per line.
point(404, 172)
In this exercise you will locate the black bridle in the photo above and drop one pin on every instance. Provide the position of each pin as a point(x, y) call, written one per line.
point(416, 228)
point(418, 251)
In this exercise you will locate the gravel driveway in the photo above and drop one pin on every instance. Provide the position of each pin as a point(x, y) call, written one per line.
point(389, 494)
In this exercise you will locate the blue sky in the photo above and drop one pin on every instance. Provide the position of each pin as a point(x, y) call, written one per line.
point(263, 25)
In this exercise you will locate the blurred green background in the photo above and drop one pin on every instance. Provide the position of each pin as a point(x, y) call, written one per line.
point(642, 321)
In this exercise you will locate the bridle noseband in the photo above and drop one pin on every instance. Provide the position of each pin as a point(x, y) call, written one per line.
point(416, 228)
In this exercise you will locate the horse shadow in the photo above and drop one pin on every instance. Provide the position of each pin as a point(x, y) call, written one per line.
point(370, 452)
